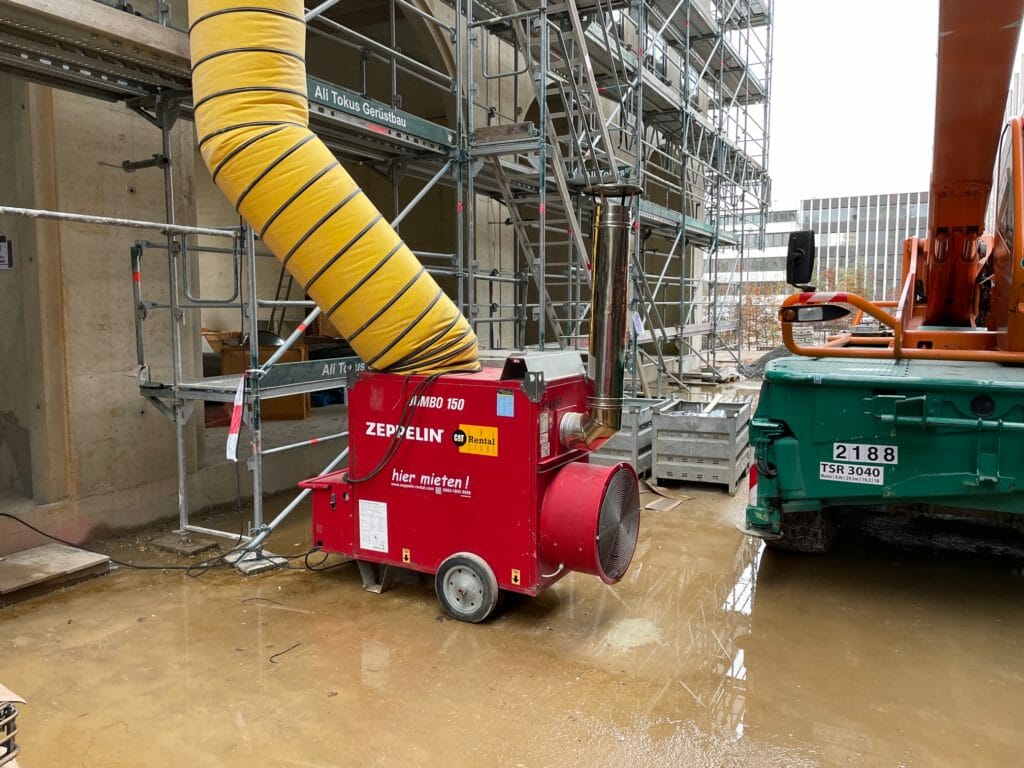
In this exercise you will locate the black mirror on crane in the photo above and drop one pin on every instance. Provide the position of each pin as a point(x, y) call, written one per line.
point(800, 258)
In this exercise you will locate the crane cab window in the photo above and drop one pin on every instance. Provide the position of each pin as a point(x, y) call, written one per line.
point(1004, 178)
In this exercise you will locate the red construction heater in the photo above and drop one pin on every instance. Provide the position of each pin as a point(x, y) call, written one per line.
point(483, 478)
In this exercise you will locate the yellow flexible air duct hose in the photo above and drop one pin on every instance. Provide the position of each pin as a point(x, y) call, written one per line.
point(251, 114)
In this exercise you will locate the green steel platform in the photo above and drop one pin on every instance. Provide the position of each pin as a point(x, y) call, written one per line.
point(848, 433)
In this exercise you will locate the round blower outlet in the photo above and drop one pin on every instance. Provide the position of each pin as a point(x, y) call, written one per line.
point(590, 519)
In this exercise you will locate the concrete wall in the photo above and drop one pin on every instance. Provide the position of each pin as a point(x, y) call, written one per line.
point(81, 452)
point(16, 398)
point(74, 399)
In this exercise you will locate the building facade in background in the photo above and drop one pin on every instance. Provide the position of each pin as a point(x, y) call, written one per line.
point(859, 244)
point(860, 239)
point(764, 264)
point(859, 249)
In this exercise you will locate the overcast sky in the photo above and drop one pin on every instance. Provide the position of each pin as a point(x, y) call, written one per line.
point(853, 97)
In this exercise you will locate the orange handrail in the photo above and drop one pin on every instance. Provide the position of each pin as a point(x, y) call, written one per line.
point(893, 349)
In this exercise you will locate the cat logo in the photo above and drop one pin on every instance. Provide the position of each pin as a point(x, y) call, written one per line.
point(471, 438)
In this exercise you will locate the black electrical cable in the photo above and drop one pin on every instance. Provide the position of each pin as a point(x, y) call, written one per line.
point(317, 567)
point(408, 411)
point(198, 569)
point(78, 546)
point(194, 570)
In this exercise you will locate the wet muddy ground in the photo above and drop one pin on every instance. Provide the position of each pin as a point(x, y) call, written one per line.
point(710, 653)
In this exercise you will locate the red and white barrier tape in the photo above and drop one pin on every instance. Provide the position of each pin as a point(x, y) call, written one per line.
point(236, 420)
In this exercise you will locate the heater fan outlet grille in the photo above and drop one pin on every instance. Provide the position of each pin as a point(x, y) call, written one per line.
point(618, 523)
point(590, 520)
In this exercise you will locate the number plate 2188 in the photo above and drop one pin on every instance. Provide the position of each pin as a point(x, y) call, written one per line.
point(868, 454)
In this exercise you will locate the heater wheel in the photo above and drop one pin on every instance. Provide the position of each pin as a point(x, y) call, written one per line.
point(466, 587)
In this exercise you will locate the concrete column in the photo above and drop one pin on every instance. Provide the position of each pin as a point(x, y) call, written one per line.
point(34, 351)
point(100, 458)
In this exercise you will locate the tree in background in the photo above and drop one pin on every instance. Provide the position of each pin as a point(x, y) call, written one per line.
point(759, 314)
point(759, 309)
point(849, 279)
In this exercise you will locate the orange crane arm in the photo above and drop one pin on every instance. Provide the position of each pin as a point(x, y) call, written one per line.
point(977, 43)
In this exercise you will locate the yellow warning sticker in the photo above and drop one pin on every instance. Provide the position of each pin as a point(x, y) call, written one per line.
point(472, 438)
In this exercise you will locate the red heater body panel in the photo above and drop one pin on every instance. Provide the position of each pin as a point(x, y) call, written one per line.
point(469, 474)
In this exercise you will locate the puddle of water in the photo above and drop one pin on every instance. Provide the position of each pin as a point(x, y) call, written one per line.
point(711, 652)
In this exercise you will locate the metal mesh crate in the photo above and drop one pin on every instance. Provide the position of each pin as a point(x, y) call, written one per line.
point(702, 443)
point(632, 443)
point(8, 730)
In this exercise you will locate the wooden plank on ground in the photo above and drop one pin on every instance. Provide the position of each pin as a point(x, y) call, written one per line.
point(42, 569)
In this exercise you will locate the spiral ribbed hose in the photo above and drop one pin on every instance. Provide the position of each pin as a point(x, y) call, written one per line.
point(251, 115)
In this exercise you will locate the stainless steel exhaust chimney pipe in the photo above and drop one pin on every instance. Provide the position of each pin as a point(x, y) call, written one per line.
point(608, 315)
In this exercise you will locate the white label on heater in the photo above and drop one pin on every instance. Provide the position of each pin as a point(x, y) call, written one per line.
point(373, 525)
point(545, 433)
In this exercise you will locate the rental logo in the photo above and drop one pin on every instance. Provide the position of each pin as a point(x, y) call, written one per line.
point(471, 438)
point(413, 434)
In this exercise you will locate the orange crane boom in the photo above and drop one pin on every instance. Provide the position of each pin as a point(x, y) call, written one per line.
point(977, 43)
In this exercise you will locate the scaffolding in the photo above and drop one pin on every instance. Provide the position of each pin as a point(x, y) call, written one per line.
point(551, 99)
point(672, 96)
point(514, 109)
